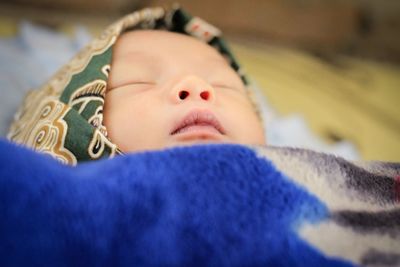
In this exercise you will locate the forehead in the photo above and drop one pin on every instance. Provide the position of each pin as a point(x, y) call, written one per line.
point(158, 43)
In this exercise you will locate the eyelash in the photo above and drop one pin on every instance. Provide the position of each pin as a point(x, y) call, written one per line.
point(130, 84)
point(143, 83)
point(225, 86)
point(136, 83)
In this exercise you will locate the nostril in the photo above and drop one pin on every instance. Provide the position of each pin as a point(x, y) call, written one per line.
point(205, 95)
point(183, 94)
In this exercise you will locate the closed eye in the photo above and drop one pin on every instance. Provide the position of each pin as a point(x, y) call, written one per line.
point(134, 83)
point(221, 85)
point(137, 83)
point(225, 86)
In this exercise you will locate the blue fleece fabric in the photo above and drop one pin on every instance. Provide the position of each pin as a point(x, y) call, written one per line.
point(214, 205)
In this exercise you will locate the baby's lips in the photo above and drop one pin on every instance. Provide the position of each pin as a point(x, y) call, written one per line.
point(195, 117)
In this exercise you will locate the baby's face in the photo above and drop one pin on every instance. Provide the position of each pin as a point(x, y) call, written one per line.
point(167, 89)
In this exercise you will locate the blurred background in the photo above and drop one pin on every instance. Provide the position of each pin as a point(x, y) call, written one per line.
point(328, 70)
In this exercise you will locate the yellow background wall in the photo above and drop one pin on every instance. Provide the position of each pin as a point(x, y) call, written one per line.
point(353, 99)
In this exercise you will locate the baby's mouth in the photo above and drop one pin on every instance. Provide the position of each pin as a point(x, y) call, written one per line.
point(197, 122)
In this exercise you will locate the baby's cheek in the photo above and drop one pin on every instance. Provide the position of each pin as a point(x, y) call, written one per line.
point(254, 133)
point(116, 121)
point(247, 126)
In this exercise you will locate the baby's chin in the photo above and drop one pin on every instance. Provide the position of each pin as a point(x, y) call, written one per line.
point(196, 142)
point(198, 134)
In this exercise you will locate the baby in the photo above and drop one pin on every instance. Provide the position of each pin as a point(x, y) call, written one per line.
point(167, 89)
point(154, 79)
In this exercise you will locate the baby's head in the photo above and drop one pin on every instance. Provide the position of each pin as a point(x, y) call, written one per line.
point(167, 89)
point(154, 79)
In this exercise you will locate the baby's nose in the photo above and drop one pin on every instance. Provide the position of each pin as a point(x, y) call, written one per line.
point(185, 93)
point(193, 88)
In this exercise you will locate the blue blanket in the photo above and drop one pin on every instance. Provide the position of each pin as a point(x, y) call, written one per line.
point(210, 205)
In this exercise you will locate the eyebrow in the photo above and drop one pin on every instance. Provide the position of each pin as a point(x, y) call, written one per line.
point(155, 62)
point(133, 55)
point(152, 57)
